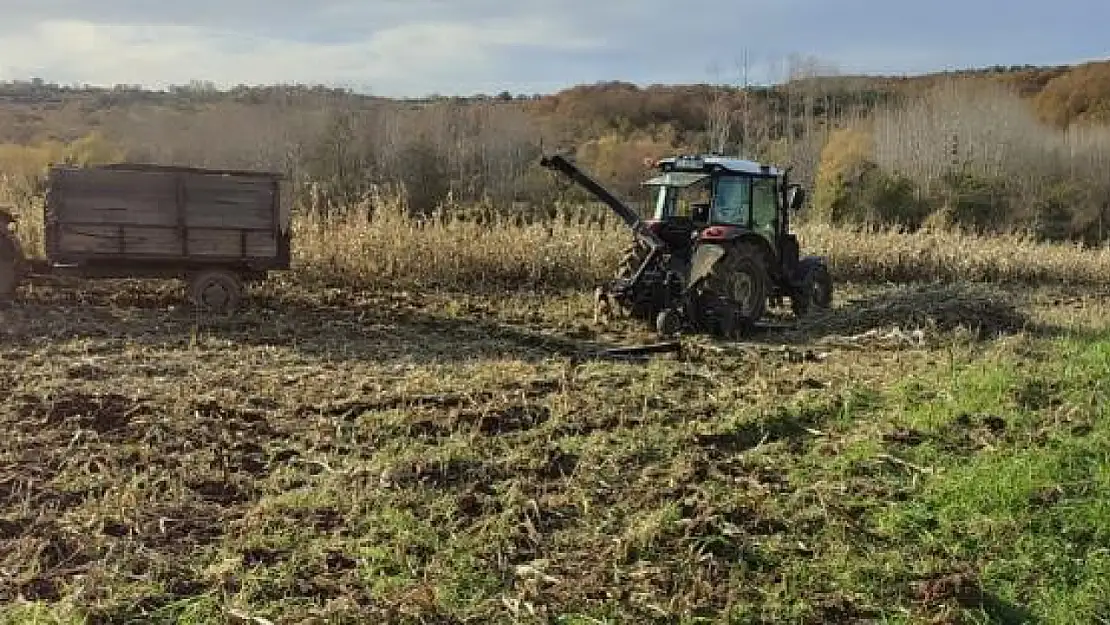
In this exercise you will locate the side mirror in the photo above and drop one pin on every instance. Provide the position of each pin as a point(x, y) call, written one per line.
point(795, 197)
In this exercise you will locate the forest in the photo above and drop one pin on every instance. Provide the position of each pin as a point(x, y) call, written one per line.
point(995, 150)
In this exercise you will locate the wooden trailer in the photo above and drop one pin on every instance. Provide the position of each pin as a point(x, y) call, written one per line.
point(215, 229)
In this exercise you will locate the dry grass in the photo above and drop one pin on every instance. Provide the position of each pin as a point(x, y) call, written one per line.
point(943, 256)
point(16, 197)
point(567, 252)
point(396, 252)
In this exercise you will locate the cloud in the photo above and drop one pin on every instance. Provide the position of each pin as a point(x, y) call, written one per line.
point(416, 47)
point(413, 57)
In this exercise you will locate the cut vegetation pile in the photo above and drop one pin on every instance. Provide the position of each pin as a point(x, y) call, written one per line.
point(983, 311)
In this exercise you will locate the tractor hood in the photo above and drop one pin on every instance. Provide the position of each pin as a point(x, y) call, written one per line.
point(676, 179)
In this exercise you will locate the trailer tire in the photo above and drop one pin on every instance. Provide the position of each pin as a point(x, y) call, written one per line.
point(217, 291)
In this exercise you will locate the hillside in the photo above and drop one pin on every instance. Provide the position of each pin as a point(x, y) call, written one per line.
point(56, 111)
point(1010, 149)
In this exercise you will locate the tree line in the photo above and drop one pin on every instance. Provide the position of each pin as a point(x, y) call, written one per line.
point(1020, 148)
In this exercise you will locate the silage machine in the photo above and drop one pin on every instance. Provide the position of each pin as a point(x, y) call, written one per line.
point(716, 249)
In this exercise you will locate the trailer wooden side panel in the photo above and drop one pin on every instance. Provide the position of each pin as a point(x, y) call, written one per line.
point(95, 196)
point(215, 202)
point(140, 212)
point(231, 243)
point(116, 240)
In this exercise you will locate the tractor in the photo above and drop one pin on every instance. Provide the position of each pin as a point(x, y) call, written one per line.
point(716, 250)
point(11, 257)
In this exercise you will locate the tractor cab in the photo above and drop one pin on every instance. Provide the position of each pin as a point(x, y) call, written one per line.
point(686, 196)
point(723, 198)
point(719, 191)
point(682, 206)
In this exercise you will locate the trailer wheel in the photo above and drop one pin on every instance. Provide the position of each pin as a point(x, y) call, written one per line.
point(216, 291)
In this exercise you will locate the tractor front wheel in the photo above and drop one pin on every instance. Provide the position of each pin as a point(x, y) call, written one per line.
point(816, 291)
point(669, 322)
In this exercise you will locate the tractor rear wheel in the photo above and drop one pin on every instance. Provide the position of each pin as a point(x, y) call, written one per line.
point(737, 289)
point(816, 291)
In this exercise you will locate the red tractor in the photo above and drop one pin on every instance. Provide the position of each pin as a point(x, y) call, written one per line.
point(11, 257)
point(717, 247)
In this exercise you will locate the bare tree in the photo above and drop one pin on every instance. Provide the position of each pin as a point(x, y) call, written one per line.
point(730, 103)
point(719, 113)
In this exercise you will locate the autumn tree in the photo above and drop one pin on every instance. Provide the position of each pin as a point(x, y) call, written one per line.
point(1080, 95)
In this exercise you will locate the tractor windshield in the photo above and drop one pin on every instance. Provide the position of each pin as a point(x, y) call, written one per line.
point(732, 200)
point(682, 194)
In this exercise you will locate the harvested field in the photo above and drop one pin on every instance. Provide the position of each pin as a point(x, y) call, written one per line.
point(350, 456)
point(417, 425)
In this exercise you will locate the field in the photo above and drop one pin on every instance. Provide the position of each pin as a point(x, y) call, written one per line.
point(417, 425)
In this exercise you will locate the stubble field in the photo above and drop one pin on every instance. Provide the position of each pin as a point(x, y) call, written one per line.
point(389, 434)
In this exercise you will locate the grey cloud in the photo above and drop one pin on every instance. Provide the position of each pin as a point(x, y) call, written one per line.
point(289, 18)
point(409, 46)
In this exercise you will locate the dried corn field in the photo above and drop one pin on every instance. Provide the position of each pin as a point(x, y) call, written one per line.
point(415, 426)
point(565, 253)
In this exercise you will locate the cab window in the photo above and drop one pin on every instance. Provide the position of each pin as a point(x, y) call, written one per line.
point(664, 203)
point(732, 200)
point(764, 203)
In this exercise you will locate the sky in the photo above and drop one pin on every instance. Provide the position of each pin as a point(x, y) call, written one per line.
point(414, 48)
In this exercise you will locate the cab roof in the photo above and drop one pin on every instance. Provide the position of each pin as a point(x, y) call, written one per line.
point(676, 179)
point(705, 163)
